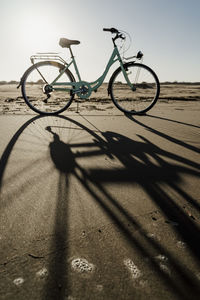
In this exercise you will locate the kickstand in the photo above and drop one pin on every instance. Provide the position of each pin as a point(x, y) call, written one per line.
point(77, 107)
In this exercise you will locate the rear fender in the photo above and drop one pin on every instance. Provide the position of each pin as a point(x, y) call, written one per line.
point(42, 63)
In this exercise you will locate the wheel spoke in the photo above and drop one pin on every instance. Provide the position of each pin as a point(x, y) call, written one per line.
point(39, 95)
point(145, 92)
point(41, 75)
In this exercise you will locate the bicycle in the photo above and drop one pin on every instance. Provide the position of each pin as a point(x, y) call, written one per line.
point(48, 86)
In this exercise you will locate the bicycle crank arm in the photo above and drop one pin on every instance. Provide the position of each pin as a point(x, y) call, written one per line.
point(76, 91)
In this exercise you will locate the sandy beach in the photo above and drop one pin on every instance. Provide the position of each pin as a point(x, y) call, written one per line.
point(12, 102)
point(95, 204)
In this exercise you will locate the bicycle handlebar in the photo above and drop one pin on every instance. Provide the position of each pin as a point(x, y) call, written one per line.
point(118, 35)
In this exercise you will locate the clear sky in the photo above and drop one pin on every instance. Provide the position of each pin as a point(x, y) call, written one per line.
point(167, 32)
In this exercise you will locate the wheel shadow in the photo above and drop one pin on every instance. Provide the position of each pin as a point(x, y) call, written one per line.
point(142, 163)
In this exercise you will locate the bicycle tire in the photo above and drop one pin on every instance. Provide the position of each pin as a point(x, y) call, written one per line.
point(145, 95)
point(33, 84)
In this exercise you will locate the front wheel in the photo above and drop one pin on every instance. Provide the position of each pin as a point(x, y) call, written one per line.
point(38, 92)
point(139, 94)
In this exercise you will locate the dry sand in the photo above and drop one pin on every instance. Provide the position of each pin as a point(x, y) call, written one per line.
point(98, 205)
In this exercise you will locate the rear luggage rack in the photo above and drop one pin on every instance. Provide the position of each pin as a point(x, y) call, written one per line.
point(47, 56)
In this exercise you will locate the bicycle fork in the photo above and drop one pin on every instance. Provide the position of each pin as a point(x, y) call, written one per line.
point(125, 73)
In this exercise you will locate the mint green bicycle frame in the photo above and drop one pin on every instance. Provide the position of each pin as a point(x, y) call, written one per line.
point(75, 87)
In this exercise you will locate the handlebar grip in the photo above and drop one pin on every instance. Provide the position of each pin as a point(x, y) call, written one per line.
point(112, 30)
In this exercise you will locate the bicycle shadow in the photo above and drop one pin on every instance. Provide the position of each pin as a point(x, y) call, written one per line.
point(164, 135)
point(136, 167)
point(167, 119)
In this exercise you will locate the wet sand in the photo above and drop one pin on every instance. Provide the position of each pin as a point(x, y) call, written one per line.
point(99, 205)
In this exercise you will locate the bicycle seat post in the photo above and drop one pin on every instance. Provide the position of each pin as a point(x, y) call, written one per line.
point(72, 56)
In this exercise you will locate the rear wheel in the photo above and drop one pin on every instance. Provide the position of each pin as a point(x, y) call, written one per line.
point(38, 92)
point(143, 94)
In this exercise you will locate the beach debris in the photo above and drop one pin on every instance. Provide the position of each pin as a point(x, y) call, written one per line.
point(81, 265)
point(151, 235)
point(191, 216)
point(172, 222)
point(181, 244)
point(9, 100)
point(188, 212)
point(161, 257)
point(42, 273)
point(165, 269)
point(134, 270)
point(18, 281)
point(99, 287)
point(35, 256)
